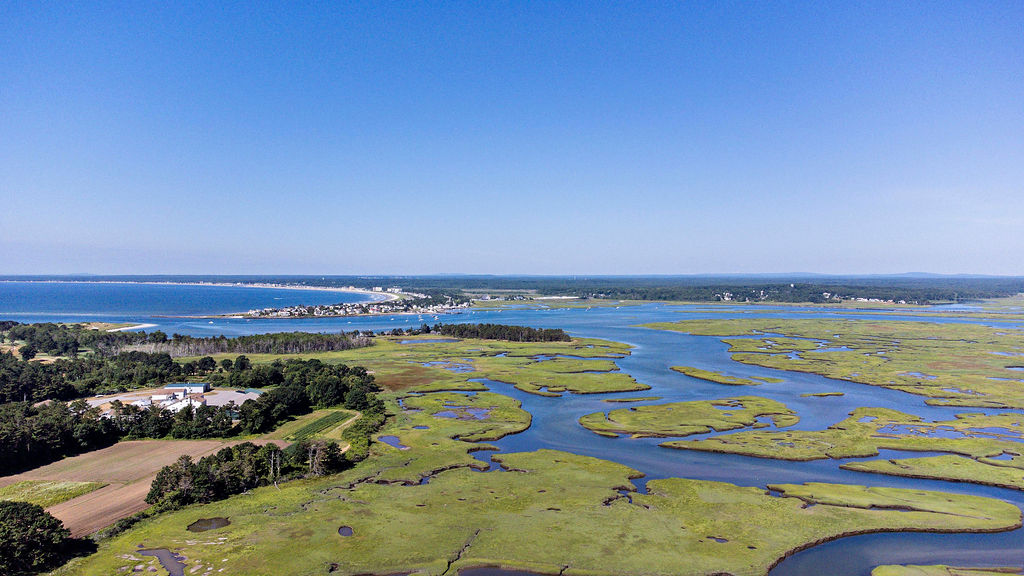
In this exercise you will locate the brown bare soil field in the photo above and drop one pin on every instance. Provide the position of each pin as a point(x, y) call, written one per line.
point(128, 467)
point(101, 508)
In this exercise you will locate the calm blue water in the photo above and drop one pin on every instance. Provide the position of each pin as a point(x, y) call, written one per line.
point(555, 419)
point(71, 301)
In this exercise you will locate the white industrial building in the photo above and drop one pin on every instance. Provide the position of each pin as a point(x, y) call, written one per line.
point(188, 387)
point(185, 403)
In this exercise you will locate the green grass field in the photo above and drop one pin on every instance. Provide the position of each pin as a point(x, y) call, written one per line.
point(47, 493)
point(322, 424)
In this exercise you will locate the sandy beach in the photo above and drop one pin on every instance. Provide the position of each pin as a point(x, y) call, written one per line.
point(132, 327)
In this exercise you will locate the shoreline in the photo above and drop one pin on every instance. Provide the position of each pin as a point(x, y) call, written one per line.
point(132, 327)
point(238, 316)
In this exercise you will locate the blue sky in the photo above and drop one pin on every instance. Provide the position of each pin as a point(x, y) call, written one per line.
point(487, 137)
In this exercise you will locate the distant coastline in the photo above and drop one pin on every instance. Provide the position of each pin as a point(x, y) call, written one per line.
point(246, 316)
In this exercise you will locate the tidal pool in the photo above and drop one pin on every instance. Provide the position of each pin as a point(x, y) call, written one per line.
point(393, 441)
point(464, 413)
point(919, 375)
point(172, 562)
point(493, 572)
point(204, 524)
point(947, 432)
point(457, 367)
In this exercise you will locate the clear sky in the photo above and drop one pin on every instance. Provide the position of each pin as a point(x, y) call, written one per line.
point(518, 137)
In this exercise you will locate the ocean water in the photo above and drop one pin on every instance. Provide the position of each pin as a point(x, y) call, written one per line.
point(77, 301)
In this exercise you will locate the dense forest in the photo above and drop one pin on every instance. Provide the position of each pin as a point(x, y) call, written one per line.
point(65, 379)
point(124, 360)
point(274, 343)
point(67, 339)
point(31, 540)
point(34, 435)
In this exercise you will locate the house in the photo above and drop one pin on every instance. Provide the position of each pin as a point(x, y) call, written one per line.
point(188, 387)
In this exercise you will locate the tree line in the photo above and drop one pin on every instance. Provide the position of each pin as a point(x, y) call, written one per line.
point(70, 340)
point(239, 468)
point(274, 343)
point(65, 379)
point(501, 332)
point(64, 339)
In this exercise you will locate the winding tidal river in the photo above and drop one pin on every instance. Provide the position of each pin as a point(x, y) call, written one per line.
point(555, 419)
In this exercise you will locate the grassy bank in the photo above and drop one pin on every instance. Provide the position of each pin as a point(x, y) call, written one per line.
point(686, 418)
point(950, 363)
point(939, 570)
point(720, 378)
